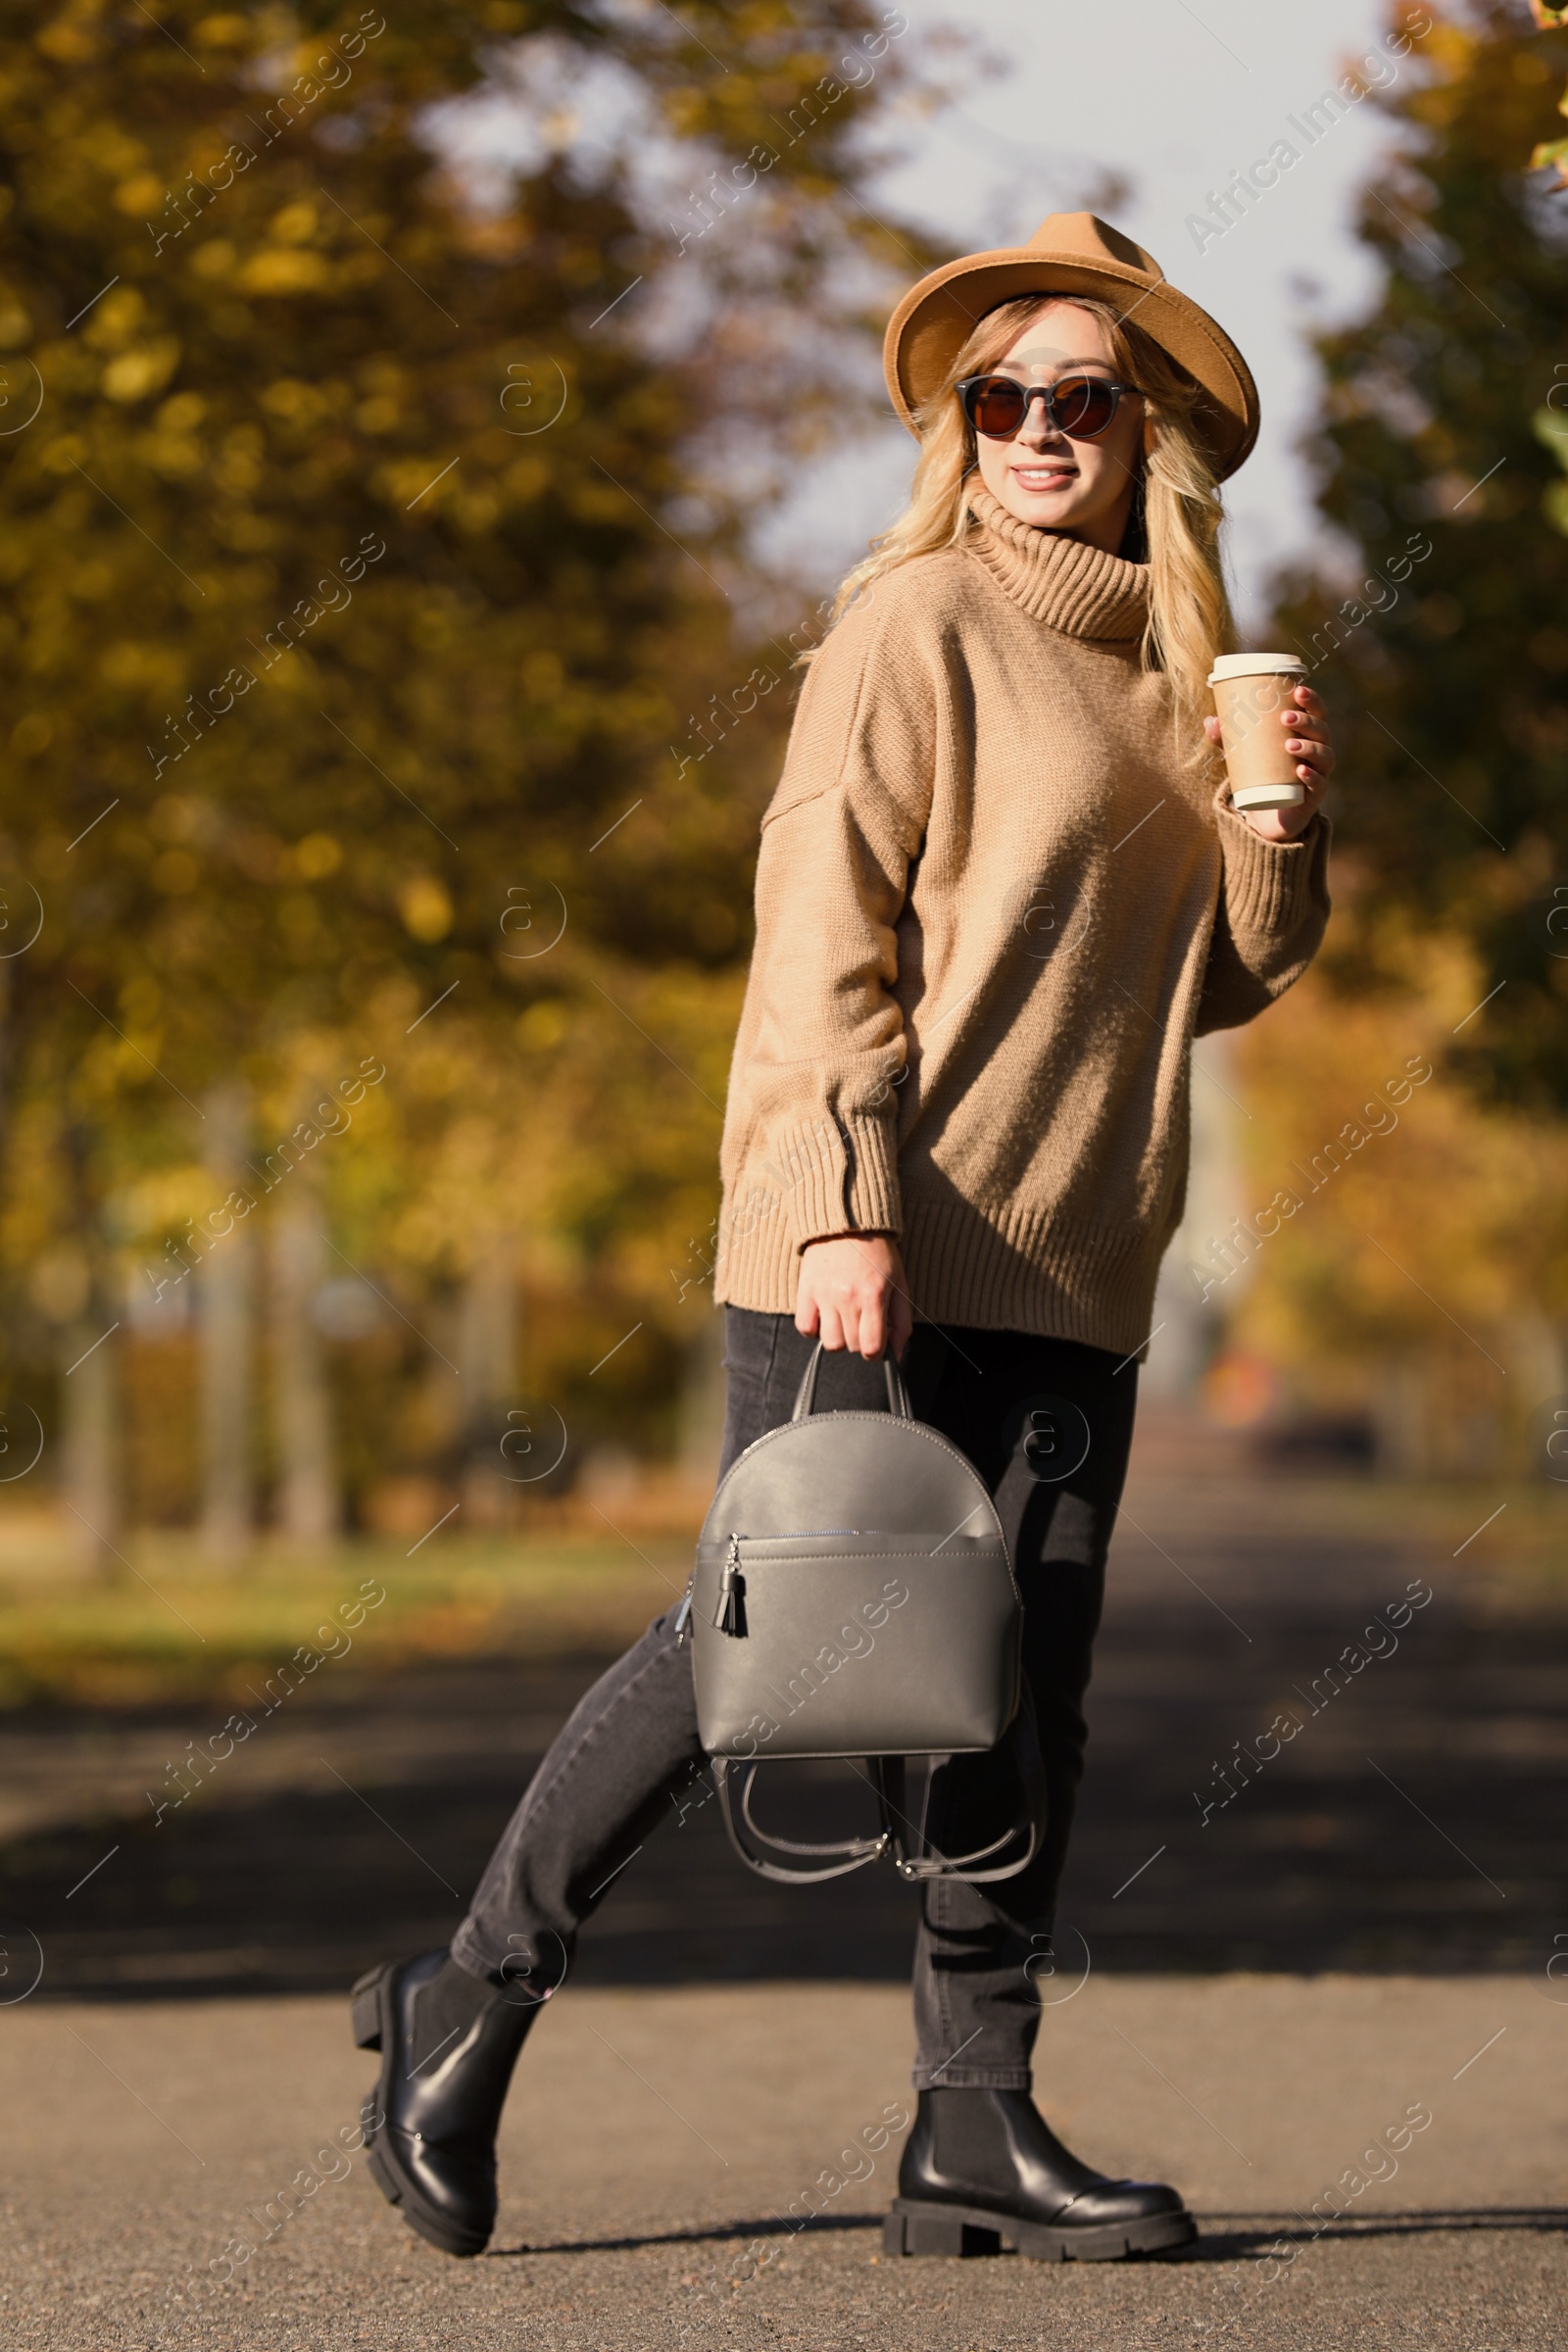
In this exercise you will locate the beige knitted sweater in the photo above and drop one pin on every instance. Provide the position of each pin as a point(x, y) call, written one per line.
point(994, 901)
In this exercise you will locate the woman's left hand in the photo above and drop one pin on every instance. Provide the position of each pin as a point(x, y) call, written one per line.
point(1309, 740)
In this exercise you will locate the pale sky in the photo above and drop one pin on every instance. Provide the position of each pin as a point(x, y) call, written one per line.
point(1174, 99)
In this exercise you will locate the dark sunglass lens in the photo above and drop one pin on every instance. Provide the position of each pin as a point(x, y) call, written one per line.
point(1084, 405)
point(996, 408)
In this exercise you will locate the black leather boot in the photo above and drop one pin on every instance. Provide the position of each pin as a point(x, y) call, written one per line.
point(981, 2165)
point(448, 2042)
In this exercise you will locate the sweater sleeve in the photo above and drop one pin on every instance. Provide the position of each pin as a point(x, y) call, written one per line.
point(1273, 909)
point(822, 1041)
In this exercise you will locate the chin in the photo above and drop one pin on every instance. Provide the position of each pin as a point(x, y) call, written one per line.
point(1040, 506)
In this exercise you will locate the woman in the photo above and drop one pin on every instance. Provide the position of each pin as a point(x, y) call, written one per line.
point(999, 891)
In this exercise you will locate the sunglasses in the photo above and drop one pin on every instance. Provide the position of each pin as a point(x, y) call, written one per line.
point(1079, 406)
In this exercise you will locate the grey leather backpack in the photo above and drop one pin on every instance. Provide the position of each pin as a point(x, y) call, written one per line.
point(852, 1597)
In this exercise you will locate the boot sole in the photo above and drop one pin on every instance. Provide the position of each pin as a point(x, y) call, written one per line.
point(967, 2231)
point(373, 2031)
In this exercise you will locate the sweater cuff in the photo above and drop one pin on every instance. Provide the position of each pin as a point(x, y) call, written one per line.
point(1270, 886)
point(844, 1177)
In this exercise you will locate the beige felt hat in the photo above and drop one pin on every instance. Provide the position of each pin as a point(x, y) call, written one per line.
point(1071, 253)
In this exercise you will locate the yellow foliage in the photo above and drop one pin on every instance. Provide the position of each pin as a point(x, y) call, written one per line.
point(175, 873)
point(69, 39)
point(140, 999)
point(281, 270)
point(542, 1026)
point(130, 661)
point(292, 398)
point(135, 375)
point(425, 907)
point(295, 224)
point(1428, 1233)
point(114, 320)
point(31, 735)
point(483, 692)
point(141, 194)
point(316, 855)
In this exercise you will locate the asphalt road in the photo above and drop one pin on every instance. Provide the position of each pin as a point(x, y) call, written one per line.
point(655, 2136)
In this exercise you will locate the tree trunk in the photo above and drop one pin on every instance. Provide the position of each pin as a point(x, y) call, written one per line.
point(89, 1440)
point(702, 1399)
point(224, 1293)
point(1401, 1415)
point(73, 1285)
point(487, 1360)
point(308, 1504)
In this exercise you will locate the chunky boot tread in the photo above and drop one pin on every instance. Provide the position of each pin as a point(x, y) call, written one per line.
point(965, 2231)
point(937, 2231)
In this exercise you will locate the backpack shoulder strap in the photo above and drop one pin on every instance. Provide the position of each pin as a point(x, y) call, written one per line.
point(860, 1851)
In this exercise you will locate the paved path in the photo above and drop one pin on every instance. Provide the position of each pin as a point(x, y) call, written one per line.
point(655, 2136)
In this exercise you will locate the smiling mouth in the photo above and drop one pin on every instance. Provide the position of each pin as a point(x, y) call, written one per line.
point(1044, 478)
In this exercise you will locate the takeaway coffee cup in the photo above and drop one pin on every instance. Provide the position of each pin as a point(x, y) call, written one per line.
point(1249, 692)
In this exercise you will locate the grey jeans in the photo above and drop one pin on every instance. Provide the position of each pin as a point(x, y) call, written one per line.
point(1048, 1424)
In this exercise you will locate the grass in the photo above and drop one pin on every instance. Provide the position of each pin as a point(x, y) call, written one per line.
point(169, 1625)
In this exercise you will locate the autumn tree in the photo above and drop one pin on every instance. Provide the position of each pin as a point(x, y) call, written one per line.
point(1440, 465)
point(386, 394)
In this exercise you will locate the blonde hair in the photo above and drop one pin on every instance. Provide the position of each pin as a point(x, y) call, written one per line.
point(1176, 515)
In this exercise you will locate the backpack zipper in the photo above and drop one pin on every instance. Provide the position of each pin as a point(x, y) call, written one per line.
point(727, 1618)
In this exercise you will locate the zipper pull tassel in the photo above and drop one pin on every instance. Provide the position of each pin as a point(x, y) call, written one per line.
point(728, 1617)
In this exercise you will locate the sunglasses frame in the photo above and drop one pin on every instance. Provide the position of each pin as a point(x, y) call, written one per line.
point(968, 390)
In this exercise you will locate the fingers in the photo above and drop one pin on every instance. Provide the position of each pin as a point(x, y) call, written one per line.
point(852, 1295)
point(1307, 740)
point(1315, 761)
point(1304, 713)
point(831, 1328)
point(834, 1318)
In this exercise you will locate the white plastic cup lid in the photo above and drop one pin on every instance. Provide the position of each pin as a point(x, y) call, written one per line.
point(1254, 665)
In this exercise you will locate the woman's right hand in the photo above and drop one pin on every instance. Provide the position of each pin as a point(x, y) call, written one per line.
point(853, 1293)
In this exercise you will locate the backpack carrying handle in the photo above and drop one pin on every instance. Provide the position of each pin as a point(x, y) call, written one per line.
point(805, 1394)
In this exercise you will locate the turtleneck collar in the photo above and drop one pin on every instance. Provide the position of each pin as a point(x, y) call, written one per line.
point(1072, 587)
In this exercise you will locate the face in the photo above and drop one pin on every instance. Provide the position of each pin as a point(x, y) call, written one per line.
point(1083, 489)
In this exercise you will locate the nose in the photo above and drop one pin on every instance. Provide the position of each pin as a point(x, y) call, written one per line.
point(1038, 428)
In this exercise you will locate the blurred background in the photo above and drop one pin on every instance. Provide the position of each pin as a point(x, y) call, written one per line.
point(427, 436)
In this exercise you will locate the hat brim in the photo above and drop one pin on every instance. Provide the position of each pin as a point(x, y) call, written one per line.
point(937, 317)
